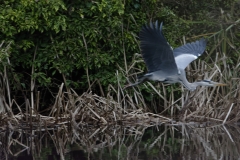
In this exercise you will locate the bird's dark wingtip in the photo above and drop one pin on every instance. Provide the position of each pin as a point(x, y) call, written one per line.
point(156, 24)
point(161, 26)
point(153, 25)
point(203, 41)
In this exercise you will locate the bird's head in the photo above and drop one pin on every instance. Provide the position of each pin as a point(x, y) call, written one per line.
point(207, 83)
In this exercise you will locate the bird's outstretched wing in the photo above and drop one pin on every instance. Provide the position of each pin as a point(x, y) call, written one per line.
point(187, 53)
point(156, 51)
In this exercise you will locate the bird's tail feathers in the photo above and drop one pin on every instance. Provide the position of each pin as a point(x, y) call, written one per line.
point(143, 78)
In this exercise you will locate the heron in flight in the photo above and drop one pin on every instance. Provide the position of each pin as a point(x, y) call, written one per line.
point(165, 64)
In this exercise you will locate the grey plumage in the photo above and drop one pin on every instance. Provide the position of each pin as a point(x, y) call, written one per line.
point(167, 65)
point(187, 53)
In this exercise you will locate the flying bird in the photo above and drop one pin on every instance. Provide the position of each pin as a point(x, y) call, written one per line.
point(165, 64)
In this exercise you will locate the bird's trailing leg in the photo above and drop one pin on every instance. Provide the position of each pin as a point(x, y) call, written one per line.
point(140, 79)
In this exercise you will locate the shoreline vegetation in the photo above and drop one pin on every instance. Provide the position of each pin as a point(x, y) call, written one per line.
point(219, 105)
point(35, 89)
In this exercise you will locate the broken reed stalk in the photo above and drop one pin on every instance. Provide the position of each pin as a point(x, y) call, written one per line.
point(86, 47)
point(33, 81)
point(230, 109)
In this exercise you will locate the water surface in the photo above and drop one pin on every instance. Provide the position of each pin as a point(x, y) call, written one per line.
point(166, 141)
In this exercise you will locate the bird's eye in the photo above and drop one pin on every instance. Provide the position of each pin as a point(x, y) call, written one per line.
point(206, 81)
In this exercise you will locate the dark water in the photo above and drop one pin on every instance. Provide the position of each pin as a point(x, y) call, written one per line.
point(183, 141)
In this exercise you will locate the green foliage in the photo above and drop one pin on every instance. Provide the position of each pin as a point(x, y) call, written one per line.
point(30, 15)
point(92, 36)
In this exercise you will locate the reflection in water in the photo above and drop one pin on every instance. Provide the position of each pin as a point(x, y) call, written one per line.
point(123, 142)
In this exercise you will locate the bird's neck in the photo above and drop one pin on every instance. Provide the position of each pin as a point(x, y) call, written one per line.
point(189, 86)
point(185, 83)
point(192, 86)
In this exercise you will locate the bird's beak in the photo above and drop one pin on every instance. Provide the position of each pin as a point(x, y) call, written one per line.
point(219, 84)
